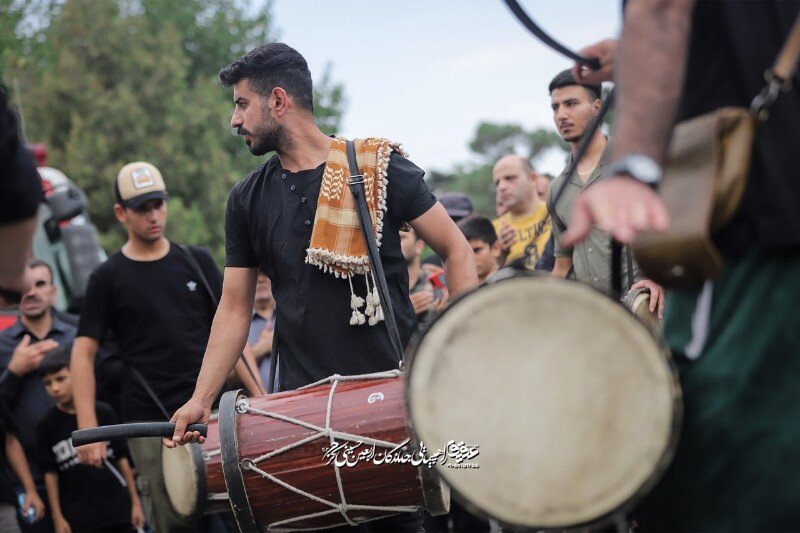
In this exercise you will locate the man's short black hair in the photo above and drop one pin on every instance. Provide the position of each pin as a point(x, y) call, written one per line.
point(565, 79)
point(55, 360)
point(273, 65)
point(478, 228)
point(36, 263)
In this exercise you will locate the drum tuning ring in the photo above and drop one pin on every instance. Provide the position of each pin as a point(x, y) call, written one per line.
point(247, 464)
point(242, 406)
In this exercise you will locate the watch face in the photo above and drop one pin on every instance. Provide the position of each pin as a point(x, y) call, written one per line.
point(644, 169)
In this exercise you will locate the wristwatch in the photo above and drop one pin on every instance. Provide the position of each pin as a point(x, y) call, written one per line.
point(639, 167)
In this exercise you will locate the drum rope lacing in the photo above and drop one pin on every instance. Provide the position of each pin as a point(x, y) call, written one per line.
point(243, 406)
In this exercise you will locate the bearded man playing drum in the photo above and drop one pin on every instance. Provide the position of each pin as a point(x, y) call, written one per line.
point(274, 221)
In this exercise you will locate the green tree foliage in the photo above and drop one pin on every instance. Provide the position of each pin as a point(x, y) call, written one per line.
point(118, 81)
point(490, 142)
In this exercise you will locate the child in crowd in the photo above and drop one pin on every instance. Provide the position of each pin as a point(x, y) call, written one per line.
point(482, 237)
point(82, 497)
point(11, 455)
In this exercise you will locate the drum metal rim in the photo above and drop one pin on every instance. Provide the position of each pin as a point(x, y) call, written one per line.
point(660, 466)
point(229, 452)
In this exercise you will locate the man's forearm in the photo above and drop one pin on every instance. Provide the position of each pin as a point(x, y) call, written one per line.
point(127, 473)
point(228, 337)
point(19, 464)
point(561, 267)
point(51, 486)
point(460, 270)
point(250, 379)
point(83, 381)
point(649, 75)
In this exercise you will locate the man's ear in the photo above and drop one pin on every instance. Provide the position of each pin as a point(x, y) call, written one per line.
point(279, 101)
point(419, 246)
point(119, 212)
point(497, 249)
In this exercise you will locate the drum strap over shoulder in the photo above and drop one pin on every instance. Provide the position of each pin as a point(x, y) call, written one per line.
point(356, 184)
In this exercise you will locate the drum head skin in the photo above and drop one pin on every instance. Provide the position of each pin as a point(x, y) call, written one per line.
point(181, 478)
point(572, 403)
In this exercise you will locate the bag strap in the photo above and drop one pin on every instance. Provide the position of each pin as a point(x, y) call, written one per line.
point(187, 252)
point(786, 62)
point(629, 261)
point(779, 77)
point(150, 392)
point(356, 183)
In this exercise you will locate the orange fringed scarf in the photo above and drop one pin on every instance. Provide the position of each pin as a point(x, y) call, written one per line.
point(337, 245)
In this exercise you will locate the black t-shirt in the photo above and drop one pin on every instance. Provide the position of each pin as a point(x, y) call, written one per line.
point(160, 314)
point(6, 486)
point(20, 184)
point(268, 224)
point(732, 44)
point(90, 497)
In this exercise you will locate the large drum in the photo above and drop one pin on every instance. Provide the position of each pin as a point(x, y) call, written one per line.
point(335, 453)
point(570, 403)
point(193, 476)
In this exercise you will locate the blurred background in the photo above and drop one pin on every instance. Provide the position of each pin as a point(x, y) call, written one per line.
point(100, 83)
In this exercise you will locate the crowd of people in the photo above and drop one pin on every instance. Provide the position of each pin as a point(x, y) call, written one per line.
point(294, 307)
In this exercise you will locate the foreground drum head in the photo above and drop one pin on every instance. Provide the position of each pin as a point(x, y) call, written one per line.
point(571, 401)
point(181, 478)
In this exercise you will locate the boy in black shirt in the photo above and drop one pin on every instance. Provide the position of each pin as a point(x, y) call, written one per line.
point(11, 454)
point(82, 497)
point(153, 296)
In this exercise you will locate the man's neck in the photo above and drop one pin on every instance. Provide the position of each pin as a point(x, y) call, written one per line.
point(482, 279)
point(67, 407)
point(526, 209)
point(414, 271)
point(40, 326)
point(265, 308)
point(593, 155)
point(140, 250)
point(308, 149)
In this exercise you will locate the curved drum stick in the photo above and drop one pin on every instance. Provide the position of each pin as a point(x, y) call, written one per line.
point(135, 430)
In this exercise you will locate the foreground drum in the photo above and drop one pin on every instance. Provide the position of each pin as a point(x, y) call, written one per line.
point(573, 405)
point(317, 457)
point(193, 476)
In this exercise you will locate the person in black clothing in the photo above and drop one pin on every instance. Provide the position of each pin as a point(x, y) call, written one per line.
point(20, 195)
point(12, 455)
point(82, 497)
point(22, 347)
point(269, 225)
point(154, 301)
point(734, 339)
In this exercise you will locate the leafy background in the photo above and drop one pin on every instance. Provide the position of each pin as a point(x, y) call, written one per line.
point(105, 82)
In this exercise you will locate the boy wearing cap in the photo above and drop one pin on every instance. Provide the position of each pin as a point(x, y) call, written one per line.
point(152, 296)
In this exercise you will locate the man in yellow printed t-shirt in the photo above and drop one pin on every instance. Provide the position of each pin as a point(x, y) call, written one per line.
point(524, 230)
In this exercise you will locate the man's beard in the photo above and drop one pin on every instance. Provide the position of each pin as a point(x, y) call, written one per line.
point(574, 139)
point(271, 137)
point(37, 315)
